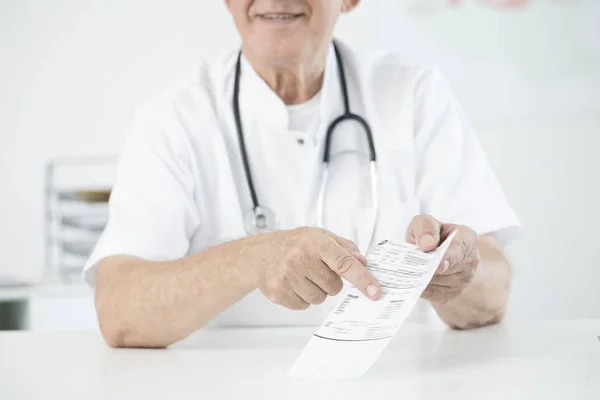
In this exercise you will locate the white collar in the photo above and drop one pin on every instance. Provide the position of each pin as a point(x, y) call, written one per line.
point(259, 103)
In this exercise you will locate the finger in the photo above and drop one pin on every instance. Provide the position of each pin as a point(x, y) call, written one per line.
point(363, 260)
point(457, 280)
point(440, 294)
point(460, 255)
point(348, 267)
point(350, 246)
point(309, 292)
point(424, 231)
point(447, 229)
point(327, 280)
point(454, 255)
point(294, 302)
point(345, 243)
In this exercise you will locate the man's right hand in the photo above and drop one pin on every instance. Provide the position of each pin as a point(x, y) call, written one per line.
point(300, 267)
point(143, 303)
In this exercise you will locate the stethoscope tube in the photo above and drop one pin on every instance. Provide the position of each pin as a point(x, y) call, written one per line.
point(240, 133)
point(348, 115)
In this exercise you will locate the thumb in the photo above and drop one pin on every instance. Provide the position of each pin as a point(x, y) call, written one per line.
point(424, 231)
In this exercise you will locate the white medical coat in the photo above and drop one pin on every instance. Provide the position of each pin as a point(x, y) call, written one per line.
point(181, 186)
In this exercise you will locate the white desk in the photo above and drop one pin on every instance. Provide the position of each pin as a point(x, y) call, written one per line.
point(553, 360)
point(50, 306)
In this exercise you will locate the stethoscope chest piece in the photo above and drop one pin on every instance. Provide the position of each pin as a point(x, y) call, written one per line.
point(260, 220)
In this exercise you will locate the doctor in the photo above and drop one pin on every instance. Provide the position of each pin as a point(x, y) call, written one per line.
point(242, 194)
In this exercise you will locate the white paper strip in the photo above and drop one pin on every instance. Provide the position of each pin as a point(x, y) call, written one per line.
point(357, 330)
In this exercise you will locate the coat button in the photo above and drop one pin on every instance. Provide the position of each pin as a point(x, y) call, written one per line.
point(300, 141)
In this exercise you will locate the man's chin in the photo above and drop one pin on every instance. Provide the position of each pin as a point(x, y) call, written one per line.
point(282, 52)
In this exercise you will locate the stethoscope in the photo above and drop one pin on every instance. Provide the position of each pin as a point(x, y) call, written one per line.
point(260, 219)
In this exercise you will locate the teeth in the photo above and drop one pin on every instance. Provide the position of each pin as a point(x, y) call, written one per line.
point(279, 16)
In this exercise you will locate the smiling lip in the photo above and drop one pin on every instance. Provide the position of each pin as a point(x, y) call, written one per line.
point(280, 17)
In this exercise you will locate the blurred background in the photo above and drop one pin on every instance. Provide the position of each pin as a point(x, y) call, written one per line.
point(72, 71)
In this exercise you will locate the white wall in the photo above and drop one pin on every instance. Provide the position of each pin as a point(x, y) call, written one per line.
point(71, 72)
point(549, 169)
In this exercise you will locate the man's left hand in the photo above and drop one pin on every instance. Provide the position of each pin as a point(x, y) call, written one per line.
point(460, 262)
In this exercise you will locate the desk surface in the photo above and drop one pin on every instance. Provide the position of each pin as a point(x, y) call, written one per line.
point(550, 360)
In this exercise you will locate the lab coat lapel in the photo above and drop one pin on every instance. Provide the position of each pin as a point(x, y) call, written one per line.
point(259, 104)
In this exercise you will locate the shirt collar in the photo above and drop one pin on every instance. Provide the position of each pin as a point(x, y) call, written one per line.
point(260, 104)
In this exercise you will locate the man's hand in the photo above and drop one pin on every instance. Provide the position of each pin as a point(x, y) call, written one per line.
point(460, 262)
point(303, 266)
point(143, 303)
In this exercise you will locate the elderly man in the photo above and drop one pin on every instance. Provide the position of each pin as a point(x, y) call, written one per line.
point(219, 205)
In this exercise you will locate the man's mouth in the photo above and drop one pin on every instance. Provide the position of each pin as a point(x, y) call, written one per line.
point(280, 16)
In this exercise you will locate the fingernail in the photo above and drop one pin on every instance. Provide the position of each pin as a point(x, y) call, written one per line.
point(372, 291)
point(427, 241)
point(446, 265)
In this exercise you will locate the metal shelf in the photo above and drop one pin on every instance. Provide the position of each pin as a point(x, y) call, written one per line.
point(77, 191)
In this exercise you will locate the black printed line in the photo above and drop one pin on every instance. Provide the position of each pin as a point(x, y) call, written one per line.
point(388, 286)
point(351, 340)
